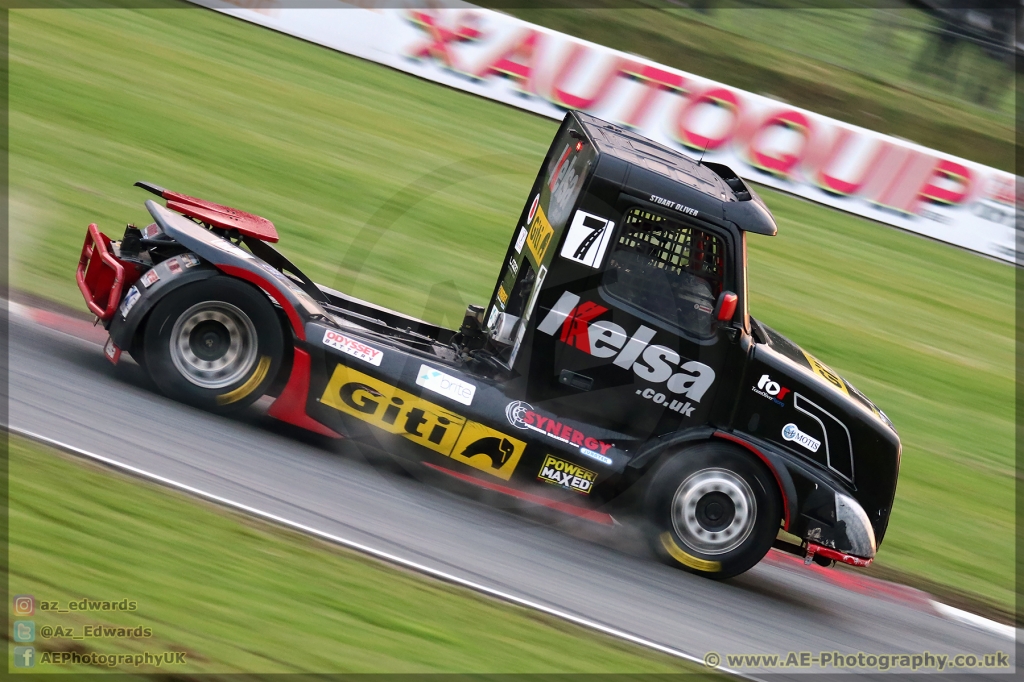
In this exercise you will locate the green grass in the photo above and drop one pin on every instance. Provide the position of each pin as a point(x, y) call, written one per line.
point(853, 64)
point(242, 596)
point(405, 193)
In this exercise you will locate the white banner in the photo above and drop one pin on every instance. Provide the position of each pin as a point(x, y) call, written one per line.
point(819, 158)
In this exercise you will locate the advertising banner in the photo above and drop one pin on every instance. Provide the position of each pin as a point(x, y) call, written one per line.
point(766, 141)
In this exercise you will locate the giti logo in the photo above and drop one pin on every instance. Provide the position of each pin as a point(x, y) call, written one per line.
point(539, 237)
point(572, 321)
point(771, 389)
point(567, 475)
point(395, 411)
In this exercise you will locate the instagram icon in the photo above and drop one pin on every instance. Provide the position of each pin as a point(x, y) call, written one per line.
point(24, 605)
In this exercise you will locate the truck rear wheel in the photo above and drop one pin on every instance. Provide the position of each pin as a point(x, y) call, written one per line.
point(714, 511)
point(216, 344)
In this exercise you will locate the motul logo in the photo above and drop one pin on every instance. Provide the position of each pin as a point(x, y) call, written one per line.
point(574, 324)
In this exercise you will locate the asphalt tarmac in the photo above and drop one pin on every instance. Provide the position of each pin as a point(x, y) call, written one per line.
point(62, 387)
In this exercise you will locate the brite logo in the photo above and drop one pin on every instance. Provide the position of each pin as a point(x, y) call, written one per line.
point(572, 321)
point(771, 390)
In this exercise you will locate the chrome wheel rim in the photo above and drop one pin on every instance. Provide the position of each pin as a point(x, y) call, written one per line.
point(713, 511)
point(213, 344)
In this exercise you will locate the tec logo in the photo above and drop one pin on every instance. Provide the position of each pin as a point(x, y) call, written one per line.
point(771, 390)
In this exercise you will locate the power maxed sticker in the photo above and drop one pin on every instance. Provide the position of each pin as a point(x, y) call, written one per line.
point(395, 411)
point(566, 474)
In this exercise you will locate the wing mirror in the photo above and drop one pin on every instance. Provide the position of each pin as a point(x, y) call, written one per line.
point(725, 307)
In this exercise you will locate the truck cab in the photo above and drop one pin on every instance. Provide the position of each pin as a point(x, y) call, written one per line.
point(615, 370)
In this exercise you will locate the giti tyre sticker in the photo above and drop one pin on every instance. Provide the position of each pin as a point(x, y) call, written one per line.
point(395, 411)
point(686, 559)
point(249, 386)
point(588, 239)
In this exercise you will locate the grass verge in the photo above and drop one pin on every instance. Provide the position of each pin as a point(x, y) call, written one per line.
point(405, 193)
point(238, 595)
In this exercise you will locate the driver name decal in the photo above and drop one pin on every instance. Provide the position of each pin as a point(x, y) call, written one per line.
point(395, 411)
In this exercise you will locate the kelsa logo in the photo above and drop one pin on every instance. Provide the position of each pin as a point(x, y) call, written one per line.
point(563, 185)
point(572, 322)
point(395, 411)
point(567, 475)
point(522, 416)
point(770, 389)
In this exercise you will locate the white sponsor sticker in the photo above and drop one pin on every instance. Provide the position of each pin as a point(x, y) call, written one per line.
point(588, 239)
point(353, 347)
point(437, 381)
point(790, 432)
point(130, 299)
point(520, 240)
point(149, 278)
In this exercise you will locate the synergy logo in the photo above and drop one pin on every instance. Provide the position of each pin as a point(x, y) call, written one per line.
point(395, 411)
point(521, 415)
point(448, 386)
point(566, 474)
point(571, 320)
point(770, 389)
point(790, 432)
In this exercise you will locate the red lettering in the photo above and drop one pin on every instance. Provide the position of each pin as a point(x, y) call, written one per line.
point(576, 328)
point(576, 438)
point(567, 431)
point(903, 193)
point(949, 171)
point(721, 98)
point(778, 162)
point(514, 59)
point(567, 69)
point(591, 443)
point(541, 421)
point(440, 37)
point(835, 185)
point(529, 417)
point(655, 80)
point(605, 447)
point(554, 428)
point(782, 393)
point(558, 168)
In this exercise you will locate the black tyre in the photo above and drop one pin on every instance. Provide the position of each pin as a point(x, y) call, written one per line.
point(216, 344)
point(714, 510)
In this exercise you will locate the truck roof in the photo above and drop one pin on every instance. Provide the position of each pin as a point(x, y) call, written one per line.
point(736, 200)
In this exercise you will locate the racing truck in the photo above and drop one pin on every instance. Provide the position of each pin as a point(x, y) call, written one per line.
point(615, 370)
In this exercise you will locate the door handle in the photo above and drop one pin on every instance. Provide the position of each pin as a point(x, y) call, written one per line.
point(575, 380)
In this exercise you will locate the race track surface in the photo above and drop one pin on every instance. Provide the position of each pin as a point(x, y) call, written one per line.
point(62, 387)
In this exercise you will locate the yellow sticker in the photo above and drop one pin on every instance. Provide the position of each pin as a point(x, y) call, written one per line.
point(540, 236)
point(669, 543)
point(393, 410)
point(502, 294)
point(483, 448)
point(823, 371)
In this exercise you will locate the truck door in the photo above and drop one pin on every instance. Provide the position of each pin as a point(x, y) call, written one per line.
point(624, 336)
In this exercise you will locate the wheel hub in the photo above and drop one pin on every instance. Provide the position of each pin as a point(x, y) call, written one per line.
point(713, 511)
point(213, 344)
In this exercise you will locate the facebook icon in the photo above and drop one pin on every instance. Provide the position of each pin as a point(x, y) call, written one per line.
point(24, 656)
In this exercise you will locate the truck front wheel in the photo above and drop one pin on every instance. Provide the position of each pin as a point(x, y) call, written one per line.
point(714, 510)
point(216, 344)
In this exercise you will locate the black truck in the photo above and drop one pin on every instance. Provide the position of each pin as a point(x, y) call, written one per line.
point(615, 372)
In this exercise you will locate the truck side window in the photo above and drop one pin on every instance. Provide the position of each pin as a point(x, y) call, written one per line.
point(668, 269)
